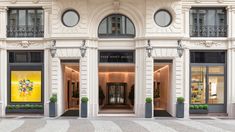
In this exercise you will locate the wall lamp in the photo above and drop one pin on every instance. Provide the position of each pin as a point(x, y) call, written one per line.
point(83, 48)
point(53, 48)
point(180, 49)
point(149, 49)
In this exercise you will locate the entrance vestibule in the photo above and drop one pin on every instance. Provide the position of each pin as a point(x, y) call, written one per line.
point(116, 88)
point(71, 77)
point(162, 89)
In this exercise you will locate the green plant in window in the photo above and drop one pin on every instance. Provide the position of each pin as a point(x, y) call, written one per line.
point(200, 106)
point(205, 107)
point(191, 107)
point(196, 107)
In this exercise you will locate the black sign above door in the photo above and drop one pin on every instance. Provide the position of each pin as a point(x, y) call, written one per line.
point(116, 57)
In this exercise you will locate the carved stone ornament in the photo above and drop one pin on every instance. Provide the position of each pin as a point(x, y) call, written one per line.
point(13, 1)
point(35, 1)
point(220, 1)
point(25, 44)
point(116, 5)
point(208, 43)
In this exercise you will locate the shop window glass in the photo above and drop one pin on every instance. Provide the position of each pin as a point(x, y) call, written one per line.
point(198, 85)
point(26, 86)
point(216, 90)
point(216, 70)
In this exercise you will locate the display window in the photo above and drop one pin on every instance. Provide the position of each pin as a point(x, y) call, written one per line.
point(26, 86)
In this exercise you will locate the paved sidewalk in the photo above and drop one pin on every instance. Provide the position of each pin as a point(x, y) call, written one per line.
point(109, 124)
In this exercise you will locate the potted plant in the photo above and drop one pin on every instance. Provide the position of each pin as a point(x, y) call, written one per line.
point(101, 96)
point(52, 106)
point(180, 107)
point(132, 94)
point(84, 101)
point(198, 109)
point(148, 107)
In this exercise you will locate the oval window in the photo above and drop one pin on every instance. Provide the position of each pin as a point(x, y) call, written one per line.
point(163, 18)
point(70, 18)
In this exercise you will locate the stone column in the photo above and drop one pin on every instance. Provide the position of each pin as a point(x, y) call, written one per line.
point(47, 21)
point(185, 23)
point(92, 78)
point(3, 22)
point(3, 79)
point(142, 87)
point(186, 81)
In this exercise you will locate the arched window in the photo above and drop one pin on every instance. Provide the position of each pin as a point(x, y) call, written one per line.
point(116, 26)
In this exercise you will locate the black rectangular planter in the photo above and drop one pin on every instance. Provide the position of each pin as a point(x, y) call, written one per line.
point(180, 110)
point(21, 111)
point(148, 110)
point(198, 111)
point(83, 110)
point(52, 110)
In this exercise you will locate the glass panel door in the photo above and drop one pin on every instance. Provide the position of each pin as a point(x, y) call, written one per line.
point(116, 92)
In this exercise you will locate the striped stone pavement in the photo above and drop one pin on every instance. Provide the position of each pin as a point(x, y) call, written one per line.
point(115, 125)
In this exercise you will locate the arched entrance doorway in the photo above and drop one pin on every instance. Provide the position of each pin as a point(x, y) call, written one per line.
point(116, 67)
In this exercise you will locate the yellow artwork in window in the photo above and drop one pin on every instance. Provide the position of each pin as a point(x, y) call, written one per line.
point(26, 86)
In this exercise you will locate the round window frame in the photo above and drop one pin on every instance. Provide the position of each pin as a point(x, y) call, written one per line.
point(62, 20)
point(171, 18)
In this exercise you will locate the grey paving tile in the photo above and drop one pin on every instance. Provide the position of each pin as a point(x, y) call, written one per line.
point(10, 125)
point(105, 126)
point(130, 126)
point(153, 126)
point(220, 124)
point(55, 126)
point(31, 125)
point(81, 125)
point(201, 126)
point(177, 126)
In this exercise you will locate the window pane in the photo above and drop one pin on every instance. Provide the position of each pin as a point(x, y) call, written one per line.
point(21, 57)
point(31, 17)
point(13, 18)
point(109, 25)
point(216, 90)
point(211, 17)
point(123, 25)
point(22, 17)
point(129, 27)
point(216, 70)
point(103, 27)
point(39, 19)
point(36, 57)
point(198, 85)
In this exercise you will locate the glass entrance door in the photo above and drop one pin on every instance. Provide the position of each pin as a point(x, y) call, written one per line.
point(116, 93)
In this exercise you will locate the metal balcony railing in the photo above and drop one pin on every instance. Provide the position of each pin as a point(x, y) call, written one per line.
point(25, 31)
point(209, 31)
